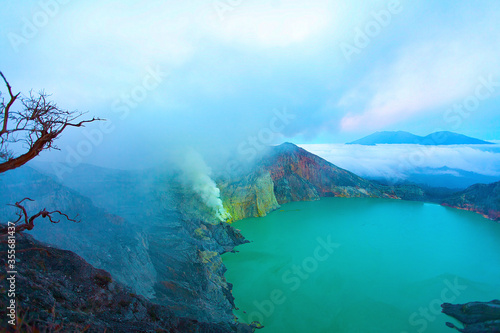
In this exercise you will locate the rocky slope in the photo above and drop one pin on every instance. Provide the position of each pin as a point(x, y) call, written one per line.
point(252, 195)
point(169, 257)
point(477, 317)
point(480, 198)
point(158, 237)
point(57, 291)
point(103, 239)
point(288, 173)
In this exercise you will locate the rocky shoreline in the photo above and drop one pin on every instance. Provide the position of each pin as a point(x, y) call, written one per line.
point(288, 173)
point(477, 317)
point(483, 199)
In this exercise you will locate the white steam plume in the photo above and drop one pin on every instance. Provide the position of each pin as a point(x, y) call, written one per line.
point(196, 173)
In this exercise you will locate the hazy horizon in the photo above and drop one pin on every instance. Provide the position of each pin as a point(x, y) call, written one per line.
point(223, 77)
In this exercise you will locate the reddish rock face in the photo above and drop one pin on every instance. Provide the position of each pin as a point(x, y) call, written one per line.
point(288, 173)
point(480, 198)
point(299, 175)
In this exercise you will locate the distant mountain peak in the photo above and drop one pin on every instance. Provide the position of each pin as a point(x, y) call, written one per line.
point(288, 145)
point(433, 139)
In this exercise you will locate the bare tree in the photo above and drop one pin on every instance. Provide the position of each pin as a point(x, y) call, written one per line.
point(27, 222)
point(37, 125)
point(32, 128)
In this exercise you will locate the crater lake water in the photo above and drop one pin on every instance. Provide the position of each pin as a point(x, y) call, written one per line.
point(362, 265)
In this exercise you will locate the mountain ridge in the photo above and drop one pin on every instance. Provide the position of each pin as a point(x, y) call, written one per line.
point(298, 175)
point(402, 137)
point(480, 198)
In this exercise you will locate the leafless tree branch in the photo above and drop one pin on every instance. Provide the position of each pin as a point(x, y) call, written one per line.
point(37, 124)
point(28, 222)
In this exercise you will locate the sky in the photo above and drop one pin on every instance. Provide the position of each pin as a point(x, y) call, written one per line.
point(223, 76)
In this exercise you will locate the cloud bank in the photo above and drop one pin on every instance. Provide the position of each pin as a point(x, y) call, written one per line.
point(223, 72)
point(399, 161)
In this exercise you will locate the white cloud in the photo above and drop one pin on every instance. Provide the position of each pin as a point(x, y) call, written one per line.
point(263, 25)
point(426, 75)
point(398, 161)
point(226, 76)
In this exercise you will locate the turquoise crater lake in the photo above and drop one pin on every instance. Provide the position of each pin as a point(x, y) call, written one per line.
point(362, 265)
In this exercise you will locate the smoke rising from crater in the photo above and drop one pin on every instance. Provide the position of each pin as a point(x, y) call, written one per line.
point(197, 175)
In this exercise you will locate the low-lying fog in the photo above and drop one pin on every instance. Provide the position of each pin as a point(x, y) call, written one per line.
point(404, 162)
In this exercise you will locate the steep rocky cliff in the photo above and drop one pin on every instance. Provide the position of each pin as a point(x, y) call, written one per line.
point(288, 173)
point(480, 198)
point(105, 240)
point(477, 317)
point(57, 291)
point(249, 196)
point(170, 257)
point(298, 175)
